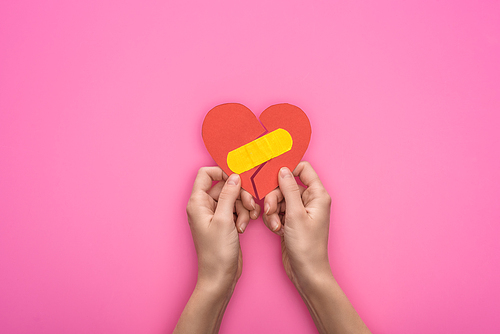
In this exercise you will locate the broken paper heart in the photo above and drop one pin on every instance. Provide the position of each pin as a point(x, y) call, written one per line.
point(240, 143)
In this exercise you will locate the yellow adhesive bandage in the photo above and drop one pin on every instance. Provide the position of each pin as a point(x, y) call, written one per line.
point(259, 151)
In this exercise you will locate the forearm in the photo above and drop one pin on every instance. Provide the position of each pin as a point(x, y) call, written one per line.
point(329, 307)
point(204, 311)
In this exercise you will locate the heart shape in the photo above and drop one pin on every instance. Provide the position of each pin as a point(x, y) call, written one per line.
point(228, 127)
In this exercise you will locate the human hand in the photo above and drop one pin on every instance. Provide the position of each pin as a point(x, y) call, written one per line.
point(216, 214)
point(301, 216)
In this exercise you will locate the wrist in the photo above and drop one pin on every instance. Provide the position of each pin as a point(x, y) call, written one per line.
point(311, 281)
point(205, 308)
point(215, 288)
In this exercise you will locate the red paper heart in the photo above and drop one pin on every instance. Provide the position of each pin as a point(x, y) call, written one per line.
point(232, 125)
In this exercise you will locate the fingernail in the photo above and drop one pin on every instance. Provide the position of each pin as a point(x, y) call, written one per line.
point(285, 173)
point(243, 227)
point(254, 214)
point(233, 179)
point(266, 208)
point(275, 225)
point(252, 203)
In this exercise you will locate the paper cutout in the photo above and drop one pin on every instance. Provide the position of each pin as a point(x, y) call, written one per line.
point(228, 127)
point(259, 151)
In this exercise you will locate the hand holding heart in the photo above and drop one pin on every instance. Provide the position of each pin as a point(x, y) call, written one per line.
point(214, 214)
point(300, 215)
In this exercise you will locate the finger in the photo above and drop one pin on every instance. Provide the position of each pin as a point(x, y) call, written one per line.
point(272, 222)
point(316, 190)
point(281, 208)
point(214, 192)
point(250, 204)
point(291, 192)
point(274, 198)
point(205, 178)
point(245, 196)
point(227, 197)
point(254, 214)
point(271, 201)
point(247, 200)
point(243, 217)
point(307, 175)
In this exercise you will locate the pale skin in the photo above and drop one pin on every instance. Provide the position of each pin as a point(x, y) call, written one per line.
point(300, 215)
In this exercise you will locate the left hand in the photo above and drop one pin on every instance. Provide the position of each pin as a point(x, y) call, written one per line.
point(216, 215)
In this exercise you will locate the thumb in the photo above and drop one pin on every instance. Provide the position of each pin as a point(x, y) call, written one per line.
point(291, 191)
point(228, 196)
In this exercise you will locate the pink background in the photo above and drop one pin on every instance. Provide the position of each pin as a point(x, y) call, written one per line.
point(101, 106)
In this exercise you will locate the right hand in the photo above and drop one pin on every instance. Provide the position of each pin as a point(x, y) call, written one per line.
point(301, 216)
